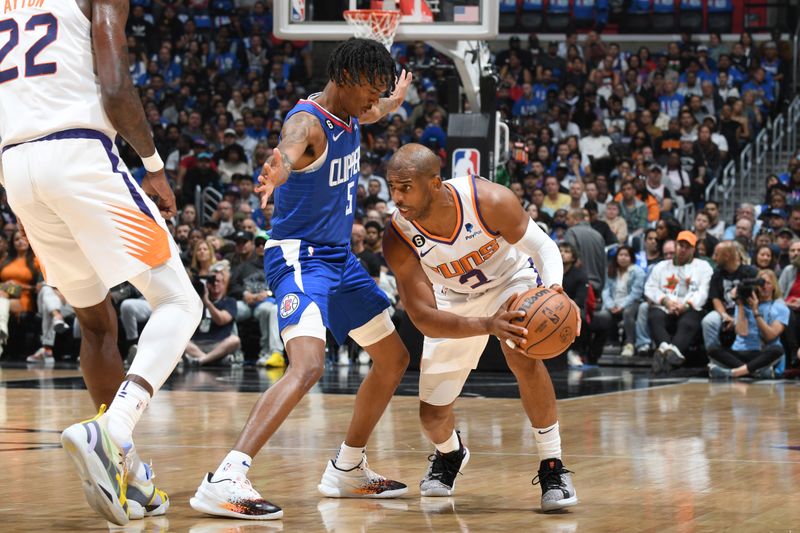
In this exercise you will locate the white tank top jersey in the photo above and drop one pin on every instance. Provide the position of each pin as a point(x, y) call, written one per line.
point(473, 259)
point(47, 77)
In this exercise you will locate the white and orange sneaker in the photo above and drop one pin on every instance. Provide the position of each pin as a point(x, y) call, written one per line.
point(358, 482)
point(233, 497)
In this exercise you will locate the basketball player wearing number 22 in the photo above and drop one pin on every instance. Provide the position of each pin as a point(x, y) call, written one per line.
point(461, 251)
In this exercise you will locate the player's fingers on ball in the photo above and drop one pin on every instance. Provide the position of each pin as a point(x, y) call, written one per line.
point(509, 316)
point(519, 341)
point(519, 331)
point(523, 341)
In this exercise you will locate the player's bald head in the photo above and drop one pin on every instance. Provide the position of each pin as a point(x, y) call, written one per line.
point(413, 161)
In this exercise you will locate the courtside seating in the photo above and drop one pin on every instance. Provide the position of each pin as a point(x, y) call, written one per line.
point(637, 19)
point(590, 13)
point(690, 17)
point(558, 15)
point(532, 17)
point(720, 15)
point(508, 16)
point(663, 15)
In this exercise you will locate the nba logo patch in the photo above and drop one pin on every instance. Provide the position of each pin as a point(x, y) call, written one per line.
point(466, 161)
point(298, 11)
point(289, 305)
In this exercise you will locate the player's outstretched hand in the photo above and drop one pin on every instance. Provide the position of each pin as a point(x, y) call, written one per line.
point(558, 288)
point(155, 184)
point(273, 173)
point(500, 326)
point(401, 87)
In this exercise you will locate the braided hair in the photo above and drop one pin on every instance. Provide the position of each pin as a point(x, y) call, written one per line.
point(361, 57)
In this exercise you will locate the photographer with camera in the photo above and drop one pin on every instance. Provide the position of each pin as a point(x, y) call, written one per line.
point(214, 337)
point(760, 318)
point(729, 273)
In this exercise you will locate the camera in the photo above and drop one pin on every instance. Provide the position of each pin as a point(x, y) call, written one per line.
point(199, 283)
point(746, 288)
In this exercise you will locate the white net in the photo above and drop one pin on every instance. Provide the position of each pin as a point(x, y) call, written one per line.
point(373, 24)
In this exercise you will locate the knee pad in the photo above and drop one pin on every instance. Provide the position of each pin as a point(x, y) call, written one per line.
point(442, 389)
point(377, 329)
point(169, 283)
point(309, 325)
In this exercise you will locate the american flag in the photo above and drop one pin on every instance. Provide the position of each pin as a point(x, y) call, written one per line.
point(466, 14)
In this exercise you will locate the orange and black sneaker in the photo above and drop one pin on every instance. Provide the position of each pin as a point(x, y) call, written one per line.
point(358, 482)
point(233, 497)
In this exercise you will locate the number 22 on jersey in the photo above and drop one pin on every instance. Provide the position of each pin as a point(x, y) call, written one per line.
point(11, 28)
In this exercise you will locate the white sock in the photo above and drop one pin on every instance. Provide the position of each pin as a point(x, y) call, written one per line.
point(138, 470)
point(124, 412)
point(235, 461)
point(548, 441)
point(450, 445)
point(348, 457)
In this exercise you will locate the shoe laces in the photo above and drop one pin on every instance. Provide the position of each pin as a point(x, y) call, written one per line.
point(371, 474)
point(551, 478)
point(241, 482)
point(442, 467)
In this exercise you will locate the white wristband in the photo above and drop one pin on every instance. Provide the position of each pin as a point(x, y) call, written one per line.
point(153, 163)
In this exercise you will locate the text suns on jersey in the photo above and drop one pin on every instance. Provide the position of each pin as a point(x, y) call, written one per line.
point(344, 168)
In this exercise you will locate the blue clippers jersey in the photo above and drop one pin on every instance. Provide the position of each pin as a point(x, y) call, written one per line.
point(318, 205)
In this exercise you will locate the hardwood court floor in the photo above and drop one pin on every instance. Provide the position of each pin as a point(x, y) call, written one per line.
point(695, 456)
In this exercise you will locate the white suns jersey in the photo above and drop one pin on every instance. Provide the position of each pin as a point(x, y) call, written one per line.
point(47, 78)
point(473, 259)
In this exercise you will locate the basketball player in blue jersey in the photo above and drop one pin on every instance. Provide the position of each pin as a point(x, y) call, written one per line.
point(461, 251)
point(319, 283)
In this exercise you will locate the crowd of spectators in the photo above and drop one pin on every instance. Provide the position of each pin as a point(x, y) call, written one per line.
point(610, 147)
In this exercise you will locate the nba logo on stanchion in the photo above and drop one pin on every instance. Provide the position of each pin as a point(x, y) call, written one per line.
point(466, 161)
point(298, 10)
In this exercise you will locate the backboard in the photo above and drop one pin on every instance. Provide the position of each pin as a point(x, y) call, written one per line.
point(443, 20)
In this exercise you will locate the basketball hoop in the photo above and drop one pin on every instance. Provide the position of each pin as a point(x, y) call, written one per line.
point(373, 24)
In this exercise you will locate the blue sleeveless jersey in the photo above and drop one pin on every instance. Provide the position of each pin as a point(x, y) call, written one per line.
point(318, 206)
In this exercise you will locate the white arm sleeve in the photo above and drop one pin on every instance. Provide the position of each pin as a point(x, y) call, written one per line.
point(545, 254)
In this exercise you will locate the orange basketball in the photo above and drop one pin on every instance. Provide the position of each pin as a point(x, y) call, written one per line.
point(550, 319)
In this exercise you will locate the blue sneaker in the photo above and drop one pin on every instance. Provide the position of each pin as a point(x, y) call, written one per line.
point(101, 467)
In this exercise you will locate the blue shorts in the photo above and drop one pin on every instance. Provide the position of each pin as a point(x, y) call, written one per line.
point(299, 272)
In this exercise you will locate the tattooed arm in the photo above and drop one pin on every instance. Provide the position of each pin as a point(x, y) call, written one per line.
point(121, 101)
point(302, 142)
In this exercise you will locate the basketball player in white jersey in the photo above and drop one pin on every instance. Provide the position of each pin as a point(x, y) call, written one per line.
point(462, 250)
point(66, 92)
